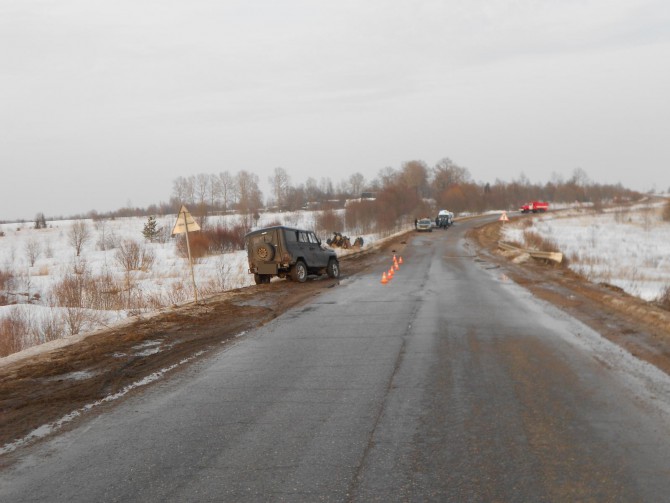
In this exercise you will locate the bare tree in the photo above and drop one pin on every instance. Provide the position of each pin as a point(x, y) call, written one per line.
point(179, 191)
point(387, 176)
point(326, 186)
point(557, 178)
point(414, 176)
point(33, 250)
point(106, 241)
point(280, 183)
point(213, 190)
point(312, 191)
point(295, 198)
point(226, 187)
point(40, 221)
point(79, 235)
point(202, 184)
point(250, 195)
point(523, 180)
point(580, 177)
point(356, 184)
point(447, 174)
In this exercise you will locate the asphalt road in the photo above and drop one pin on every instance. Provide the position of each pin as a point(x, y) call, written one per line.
point(450, 383)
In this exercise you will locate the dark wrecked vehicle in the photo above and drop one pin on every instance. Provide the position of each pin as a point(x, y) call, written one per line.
point(288, 253)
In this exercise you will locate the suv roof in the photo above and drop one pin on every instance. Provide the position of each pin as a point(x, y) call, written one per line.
point(266, 229)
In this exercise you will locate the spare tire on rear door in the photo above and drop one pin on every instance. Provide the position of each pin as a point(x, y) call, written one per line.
point(264, 251)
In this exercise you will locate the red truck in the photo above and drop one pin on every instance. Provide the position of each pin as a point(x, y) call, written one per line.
point(535, 207)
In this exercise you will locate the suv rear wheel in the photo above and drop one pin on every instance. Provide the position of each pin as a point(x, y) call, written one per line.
point(262, 278)
point(299, 272)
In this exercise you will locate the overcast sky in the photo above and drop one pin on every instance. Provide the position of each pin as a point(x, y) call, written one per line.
point(105, 103)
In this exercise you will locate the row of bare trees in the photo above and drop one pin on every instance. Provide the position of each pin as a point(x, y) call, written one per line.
point(221, 191)
point(416, 190)
point(448, 184)
point(412, 191)
point(241, 191)
point(403, 190)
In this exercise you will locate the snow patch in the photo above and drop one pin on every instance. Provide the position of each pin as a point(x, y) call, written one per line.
point(47, 429)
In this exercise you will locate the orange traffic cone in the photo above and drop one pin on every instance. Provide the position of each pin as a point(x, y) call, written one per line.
point(400, 260)
point(384, 279)
point(390, 275)
point(396, 266)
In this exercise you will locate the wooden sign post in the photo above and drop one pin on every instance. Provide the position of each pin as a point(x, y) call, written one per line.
point(185, 222)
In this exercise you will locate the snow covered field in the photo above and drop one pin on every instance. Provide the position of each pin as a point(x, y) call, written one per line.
point(625, 247)
point(38, 260)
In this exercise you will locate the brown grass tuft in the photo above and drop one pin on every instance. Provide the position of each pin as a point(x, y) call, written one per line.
point(13, 330)
point(536, 242)
point(666, 212)
point(664, 299)
point(329, 221)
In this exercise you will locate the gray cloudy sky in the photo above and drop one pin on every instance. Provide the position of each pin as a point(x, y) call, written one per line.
point(107, 102)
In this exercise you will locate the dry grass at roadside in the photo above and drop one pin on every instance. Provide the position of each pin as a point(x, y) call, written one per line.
point(535, 241)
point(664, 299)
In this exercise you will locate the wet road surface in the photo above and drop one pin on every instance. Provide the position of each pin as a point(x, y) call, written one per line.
point(449, 383)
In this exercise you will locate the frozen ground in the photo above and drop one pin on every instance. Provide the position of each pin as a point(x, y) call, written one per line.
point(628, 248)
point(167, 282)
point(625, 247)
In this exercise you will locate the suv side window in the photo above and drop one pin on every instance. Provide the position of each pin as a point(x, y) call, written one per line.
point(312, 238)
point(302, 237)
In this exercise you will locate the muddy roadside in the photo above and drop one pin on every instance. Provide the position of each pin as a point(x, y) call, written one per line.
point(64, 382)
point(640, 327)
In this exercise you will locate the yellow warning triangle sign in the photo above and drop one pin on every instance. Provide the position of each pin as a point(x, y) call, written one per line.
point(185, 222)
point(504, 217)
